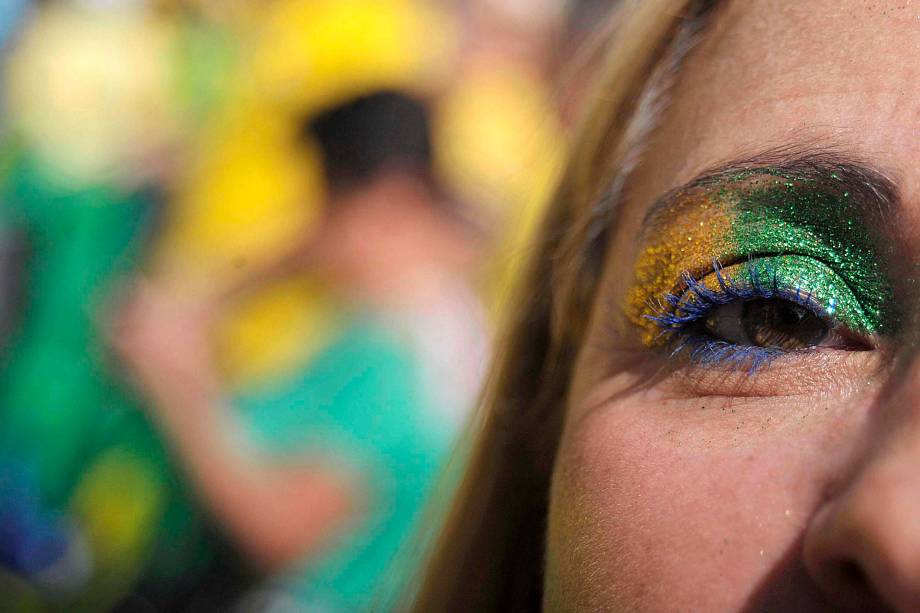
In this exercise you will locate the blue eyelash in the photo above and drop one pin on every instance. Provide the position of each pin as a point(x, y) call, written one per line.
point(676, 313)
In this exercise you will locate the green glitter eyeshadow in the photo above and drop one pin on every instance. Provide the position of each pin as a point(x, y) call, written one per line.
point(777, 215)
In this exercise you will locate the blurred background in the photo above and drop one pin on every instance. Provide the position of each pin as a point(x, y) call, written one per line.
point(253, 254)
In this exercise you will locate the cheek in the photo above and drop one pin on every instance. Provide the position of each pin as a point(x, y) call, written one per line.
point(665, 506)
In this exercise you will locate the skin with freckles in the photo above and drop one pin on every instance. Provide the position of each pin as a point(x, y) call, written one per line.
point(691, 485)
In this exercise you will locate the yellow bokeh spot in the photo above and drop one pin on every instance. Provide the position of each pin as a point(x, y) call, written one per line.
point(313, 53)
point(501, 146)
point(86, 88)
point(253, 193)
point(275, 332)
point(118, 504)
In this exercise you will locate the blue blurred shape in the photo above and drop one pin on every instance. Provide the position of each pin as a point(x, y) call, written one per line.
point(11, 14)
point(31, 539)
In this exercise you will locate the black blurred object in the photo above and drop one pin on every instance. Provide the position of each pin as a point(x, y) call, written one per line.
point(13, 261)
point(370, 135)
point(218, 588)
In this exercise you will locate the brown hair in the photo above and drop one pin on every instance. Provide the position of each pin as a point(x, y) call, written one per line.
point(489, 555)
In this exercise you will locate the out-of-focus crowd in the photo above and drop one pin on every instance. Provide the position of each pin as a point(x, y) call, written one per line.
point(251, 256)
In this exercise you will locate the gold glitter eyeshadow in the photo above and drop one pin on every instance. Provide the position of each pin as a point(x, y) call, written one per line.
point(685, 238)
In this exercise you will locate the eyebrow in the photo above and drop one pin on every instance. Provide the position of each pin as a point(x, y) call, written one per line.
point(871, 189)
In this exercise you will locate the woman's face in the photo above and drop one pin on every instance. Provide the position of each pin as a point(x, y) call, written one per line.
point(747, 435)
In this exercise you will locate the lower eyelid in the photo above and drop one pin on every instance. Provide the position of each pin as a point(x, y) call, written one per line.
point(829, 370)
point(715, 353)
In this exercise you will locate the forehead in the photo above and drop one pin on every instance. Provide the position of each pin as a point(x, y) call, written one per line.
point(767, 73)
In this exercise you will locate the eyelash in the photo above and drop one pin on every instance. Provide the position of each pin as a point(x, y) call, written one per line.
point(677, 313)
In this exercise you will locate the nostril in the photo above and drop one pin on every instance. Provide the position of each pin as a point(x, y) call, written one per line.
point(852, 587)
point(853, 576)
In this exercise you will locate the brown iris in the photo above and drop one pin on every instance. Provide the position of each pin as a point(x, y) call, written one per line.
point(772, 323)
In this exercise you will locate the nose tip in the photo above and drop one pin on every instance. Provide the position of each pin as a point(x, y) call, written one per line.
point(863, 547)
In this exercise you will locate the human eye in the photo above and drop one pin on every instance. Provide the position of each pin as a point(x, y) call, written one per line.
point(803, 274)
point(749, 313)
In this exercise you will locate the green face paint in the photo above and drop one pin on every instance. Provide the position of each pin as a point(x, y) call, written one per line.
point(808, 235)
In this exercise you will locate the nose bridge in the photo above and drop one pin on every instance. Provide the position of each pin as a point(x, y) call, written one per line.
point(883, 499)
point(896, 423)
point(885, 489)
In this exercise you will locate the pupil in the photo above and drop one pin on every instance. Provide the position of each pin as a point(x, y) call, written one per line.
point(781, 324)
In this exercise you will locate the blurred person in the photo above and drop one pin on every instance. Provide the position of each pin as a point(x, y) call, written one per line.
point(92, 505)
point(321, 475)
point(249, 190)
